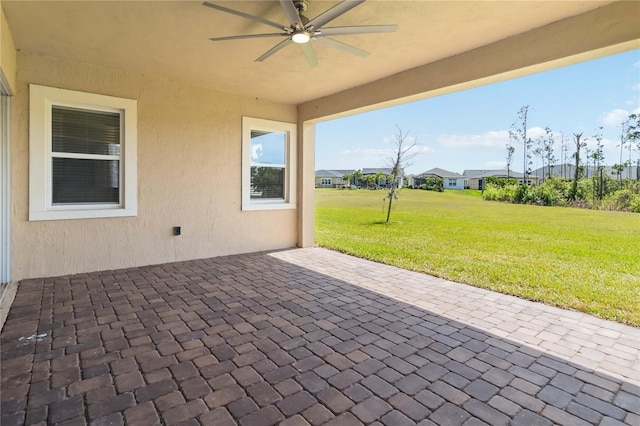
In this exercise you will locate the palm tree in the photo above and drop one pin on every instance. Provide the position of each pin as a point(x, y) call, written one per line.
point(347, 178)
point(378, 178)
point(357, 176)
point(370, 179)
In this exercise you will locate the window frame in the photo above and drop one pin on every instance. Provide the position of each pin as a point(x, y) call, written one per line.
point(289, 130)
point(42, 99)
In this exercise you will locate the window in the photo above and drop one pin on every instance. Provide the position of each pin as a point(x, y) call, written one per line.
point(82, 155)
point(268, 164)
point(326, 181)
point(453, 182)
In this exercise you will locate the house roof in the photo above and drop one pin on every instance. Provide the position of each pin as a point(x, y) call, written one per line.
point(332, 173)
point(373, 171)
point(475, 174)
point(440, 173)
point(172, 38)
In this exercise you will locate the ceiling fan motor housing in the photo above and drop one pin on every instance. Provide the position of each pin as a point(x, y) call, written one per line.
point(301, 5)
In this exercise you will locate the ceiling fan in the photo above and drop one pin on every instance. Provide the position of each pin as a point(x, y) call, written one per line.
point(302, 31)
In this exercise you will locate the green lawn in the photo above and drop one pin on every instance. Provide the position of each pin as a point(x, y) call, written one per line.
point(586, 260)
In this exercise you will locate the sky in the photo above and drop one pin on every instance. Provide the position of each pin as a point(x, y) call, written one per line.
point(268, 148)
point(470, 129)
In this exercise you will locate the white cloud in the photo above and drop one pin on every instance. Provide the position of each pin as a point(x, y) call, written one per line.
point(607, 144)
point(536, 132)
point(421, 149)
point(359, 158)
point(614, 117)
point(392, 139)
point(490, 139)
point(365, 152)
point(374, 157)
point(256, 151)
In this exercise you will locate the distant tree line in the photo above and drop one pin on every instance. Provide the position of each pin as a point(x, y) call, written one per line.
point(598, 190)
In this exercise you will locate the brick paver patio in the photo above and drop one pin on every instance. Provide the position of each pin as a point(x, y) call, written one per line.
point(305, 336)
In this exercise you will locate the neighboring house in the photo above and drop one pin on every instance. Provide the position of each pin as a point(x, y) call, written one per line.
point(386, 172)
point(189, 133)
point(475, 179)
point(332, 178)
point(450, 180)
point(410, 180)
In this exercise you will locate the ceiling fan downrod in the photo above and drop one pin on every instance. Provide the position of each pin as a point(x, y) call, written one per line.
point(301, 5)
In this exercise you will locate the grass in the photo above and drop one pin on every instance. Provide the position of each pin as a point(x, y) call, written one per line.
point(585, 260)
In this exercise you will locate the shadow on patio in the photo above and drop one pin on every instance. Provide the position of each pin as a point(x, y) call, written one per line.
point(304, 336)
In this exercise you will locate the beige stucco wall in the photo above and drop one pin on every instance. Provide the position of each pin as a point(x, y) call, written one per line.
point(7, 51)
point(189, 170)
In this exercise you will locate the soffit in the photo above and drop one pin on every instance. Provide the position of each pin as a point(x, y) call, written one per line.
point(171, 38)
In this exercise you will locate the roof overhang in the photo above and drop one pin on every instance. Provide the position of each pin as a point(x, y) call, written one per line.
point(440, 46)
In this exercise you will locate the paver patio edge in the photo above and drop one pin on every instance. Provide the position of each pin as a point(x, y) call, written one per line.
point(595, 343)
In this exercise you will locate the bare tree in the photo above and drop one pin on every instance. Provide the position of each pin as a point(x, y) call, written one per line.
point(587, 155)
point(564, 153)
point(598, 165)
point(548, 151)
point(398, 162)
point(623, 142)
point(519, 133)
point(633, 138)
point(510, 150)
point(537, 149)
point(576, 176)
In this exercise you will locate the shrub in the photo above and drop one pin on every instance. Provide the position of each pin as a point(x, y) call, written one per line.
point(509, 192)
point(434, 184)
point(500, 182)
point(491, 193)
point(521, 194)
point(558, 192)
point(623, 200)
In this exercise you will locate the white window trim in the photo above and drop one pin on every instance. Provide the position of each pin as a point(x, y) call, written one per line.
point(41, 101)
point(289, 129)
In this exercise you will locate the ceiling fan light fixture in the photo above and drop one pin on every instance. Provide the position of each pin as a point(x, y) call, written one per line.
point(301, 37)
point(300, 30)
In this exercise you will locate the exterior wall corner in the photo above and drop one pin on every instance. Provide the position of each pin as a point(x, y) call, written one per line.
point(306, 184)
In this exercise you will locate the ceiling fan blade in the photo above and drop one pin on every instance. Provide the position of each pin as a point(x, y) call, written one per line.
point(274, 49)
point(309, 54)
point(244, 15)
point(240, 37)
point(333, 13)
point(360, 29)
point(329, 42)
point(292, 13)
